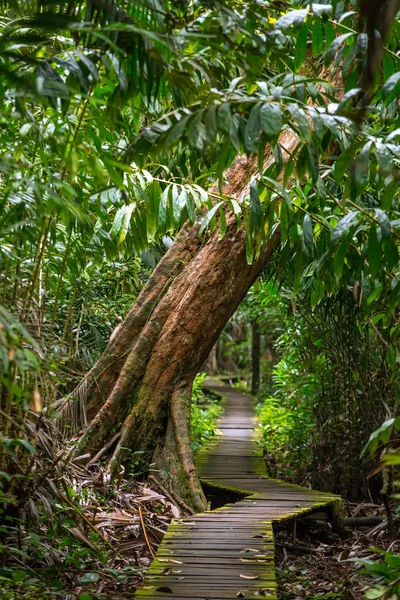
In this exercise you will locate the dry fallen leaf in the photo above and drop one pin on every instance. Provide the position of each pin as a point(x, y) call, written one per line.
point(241, 594)
point(247, 560)
point(249, 576)
point(248, 550)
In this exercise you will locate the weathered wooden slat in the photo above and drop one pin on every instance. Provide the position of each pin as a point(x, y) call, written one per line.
point(229, 552)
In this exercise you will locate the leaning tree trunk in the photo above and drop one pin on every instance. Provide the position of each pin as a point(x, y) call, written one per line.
point(144, 378)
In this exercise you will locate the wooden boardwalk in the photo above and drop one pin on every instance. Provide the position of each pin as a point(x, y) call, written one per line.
point(229, 552)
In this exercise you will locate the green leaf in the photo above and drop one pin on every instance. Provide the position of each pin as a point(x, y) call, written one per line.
point(224, 118)
point(176, 205)
point(190, 205)
point(340, 256)
point(301, 47)
point(388, 194)
point(222, 221)
point(205, 222)
point(271, 120)
point(253, 130)
point(24, 444)
point(249, 239)
point(334, 47)
point(280, 190)
point(313, 161)
point(391, 252)
point(255, 208)
point(121, 223)
point(222, 163)
point(284, 221)
point(294, 18)
point(176, 131)
point(391, 87)
point(321, 10)
point(163, 207)
point(153, 205)
point(303, 123)
point(308, 237)
point(211, 124)
point(388, 66)
point(317, 46)
point(361, 169)
point(384, 222)
point(317, 293)
point(344, 225)
point(373, 255)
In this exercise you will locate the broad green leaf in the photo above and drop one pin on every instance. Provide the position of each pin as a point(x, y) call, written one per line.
point(253, 130)
point(176, 132)
point(334, 47)
point(224, 118)
point(321, 10)
point(271, 120)
point(121, 223)
point(373, 255)
point(211, 124)
point(361, 170)
point(301, 47)
point(153, 204)
point(384, 222)
point(344, 226)
point(391, 252)
point(317, 46)
point(340, 256)
point(205, 222)
point(391, 87)
point(303, 123)
point(293, 18)
point(308, 237)
point(317, 293)
point(163, 207)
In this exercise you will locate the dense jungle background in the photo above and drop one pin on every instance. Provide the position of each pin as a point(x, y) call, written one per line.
point(192, 188)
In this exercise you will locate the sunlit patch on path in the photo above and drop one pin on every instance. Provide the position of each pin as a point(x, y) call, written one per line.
point(229, 552)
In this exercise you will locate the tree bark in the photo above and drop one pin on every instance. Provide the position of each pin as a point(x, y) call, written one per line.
point(144, 378)
point(255, 356)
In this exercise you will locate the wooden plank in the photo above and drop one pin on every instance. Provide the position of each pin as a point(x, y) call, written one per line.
point(204, 556)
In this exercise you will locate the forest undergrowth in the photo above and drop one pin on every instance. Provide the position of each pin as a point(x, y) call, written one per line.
point(312, 562)
point(82, 537)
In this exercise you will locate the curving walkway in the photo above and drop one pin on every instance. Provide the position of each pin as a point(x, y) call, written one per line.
point(229, 552)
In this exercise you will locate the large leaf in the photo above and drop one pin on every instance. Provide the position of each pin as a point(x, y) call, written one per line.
point(121, 223)
point(271, 120)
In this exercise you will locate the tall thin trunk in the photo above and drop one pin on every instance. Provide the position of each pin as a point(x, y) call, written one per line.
point(255, 356)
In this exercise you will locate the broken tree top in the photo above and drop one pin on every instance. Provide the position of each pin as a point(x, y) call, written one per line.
point(229, 552)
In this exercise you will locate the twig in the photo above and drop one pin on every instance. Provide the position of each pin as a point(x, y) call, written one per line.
point(145, 533)
point(161, 488)
point(100, 453)
point(384, 342)
point(297, 548)
point(181, 503)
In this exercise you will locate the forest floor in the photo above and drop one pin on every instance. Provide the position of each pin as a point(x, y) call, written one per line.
point(315, 564)
point(107, 540)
